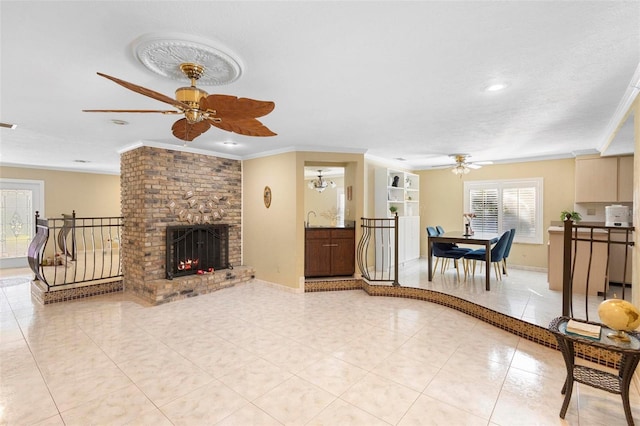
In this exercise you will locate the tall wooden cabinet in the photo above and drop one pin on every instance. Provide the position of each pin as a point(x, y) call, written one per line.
point(400, 190)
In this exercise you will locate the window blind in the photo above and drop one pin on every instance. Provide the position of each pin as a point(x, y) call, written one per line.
point(506, 204)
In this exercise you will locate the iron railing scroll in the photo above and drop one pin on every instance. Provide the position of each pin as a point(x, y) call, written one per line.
point(378, 249)
point(71, 250)
point(595, 235)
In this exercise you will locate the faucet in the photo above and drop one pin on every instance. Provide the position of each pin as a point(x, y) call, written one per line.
point(308, 223)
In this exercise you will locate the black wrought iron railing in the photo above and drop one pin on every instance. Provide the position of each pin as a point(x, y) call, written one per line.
point(69, 251)
point(377, 253)
point(579, 246)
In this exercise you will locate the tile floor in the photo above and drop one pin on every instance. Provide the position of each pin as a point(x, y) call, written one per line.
point(521, 294)
point(255, 355)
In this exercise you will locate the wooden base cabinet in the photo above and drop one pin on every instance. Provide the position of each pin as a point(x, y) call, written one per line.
point(329, 252)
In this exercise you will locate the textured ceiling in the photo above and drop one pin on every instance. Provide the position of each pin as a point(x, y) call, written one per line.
point(392, 79)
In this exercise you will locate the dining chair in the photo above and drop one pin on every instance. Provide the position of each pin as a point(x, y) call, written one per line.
point(446, 251)
point(507, 250)
point(497, 255)
point(440, 229)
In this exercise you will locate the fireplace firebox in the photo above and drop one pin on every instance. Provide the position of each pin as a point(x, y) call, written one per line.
point(196, 249)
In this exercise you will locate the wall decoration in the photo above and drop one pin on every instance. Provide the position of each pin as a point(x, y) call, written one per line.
point(267, 197)
point(199, 210)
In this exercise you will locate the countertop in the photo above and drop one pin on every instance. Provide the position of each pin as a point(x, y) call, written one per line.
point(329, 227)
point(586, 227)
point(584, 223)
point(348, 224)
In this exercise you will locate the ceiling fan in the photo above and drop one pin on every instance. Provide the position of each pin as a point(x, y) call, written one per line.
point(462, 166)
point(201, 110)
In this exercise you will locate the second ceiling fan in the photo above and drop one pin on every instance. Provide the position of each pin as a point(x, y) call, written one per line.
point(462, 166)
point(201, 110)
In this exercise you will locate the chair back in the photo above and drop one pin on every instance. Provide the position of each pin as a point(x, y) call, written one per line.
point(497, 252)
point(431, 231)
point(440, 229)
point(509, 242)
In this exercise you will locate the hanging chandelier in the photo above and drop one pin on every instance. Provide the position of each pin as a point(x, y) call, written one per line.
point(320, 184)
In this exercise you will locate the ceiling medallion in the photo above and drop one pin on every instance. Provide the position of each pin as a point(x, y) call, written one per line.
point(163, 53)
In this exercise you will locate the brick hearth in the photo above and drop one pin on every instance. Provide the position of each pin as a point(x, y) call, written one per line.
point(160, 188)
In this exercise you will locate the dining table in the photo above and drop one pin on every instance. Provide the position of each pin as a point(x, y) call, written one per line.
point(459, 237)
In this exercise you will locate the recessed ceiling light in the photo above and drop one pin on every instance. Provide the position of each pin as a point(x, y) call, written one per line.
point(119, 122)
point(400, 159)
point(230, 143)
point(495, 87)
point(81, 161)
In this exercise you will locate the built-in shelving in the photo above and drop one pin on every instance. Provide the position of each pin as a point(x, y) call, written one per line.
point(400, 190)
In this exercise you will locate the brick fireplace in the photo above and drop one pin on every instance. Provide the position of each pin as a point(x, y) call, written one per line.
point(162, 188)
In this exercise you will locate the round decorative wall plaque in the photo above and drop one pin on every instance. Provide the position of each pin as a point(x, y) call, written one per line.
point(267, 196)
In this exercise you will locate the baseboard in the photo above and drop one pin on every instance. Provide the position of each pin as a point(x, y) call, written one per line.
point(279, 286)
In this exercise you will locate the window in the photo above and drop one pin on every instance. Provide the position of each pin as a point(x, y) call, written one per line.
point(19, 200)
point(506, 204)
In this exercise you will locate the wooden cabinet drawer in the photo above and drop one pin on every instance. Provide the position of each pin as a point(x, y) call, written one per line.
point(318, 233)
point(342, 233)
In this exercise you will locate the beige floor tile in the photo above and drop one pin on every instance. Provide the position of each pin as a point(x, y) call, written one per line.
point(332, 374)
point(255, 379)
point(295, 401)
point(428, 411)
point(165, 377)
point(249, 415)
point(205, 405)
point(381, 397)
point(467, 387)
point(340, 412)
point(406, 371)
point(119, 407)
point(530, 399)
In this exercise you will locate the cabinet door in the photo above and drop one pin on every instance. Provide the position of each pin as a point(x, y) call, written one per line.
point(317, 254)
point(409, 241)
point(625, 179)
point(343, 251)
point(342, 256)
point(596, 180)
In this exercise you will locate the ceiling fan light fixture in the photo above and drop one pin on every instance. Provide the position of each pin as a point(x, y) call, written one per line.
point(460, 170)
point(461, 167)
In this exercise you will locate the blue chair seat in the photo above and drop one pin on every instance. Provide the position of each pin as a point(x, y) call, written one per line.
point(446, 251)
point(497, 254)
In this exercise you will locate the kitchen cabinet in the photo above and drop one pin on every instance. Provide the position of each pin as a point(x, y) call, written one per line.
point(329, 252)
point(604, 179)
point(598, 274)
point(625, 179)
point(399, 189)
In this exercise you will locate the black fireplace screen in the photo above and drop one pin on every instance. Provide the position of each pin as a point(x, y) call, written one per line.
point(196, 249)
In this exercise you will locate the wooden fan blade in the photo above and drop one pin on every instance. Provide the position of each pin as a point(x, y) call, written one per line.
point(147, 92)
point(134, 110)
point(234, 108)
point(246, 126)
point(186, 131)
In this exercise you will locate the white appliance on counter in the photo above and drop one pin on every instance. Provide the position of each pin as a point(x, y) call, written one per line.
point(616, 215)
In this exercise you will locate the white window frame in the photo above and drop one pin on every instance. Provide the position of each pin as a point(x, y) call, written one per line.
point(501, 184)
